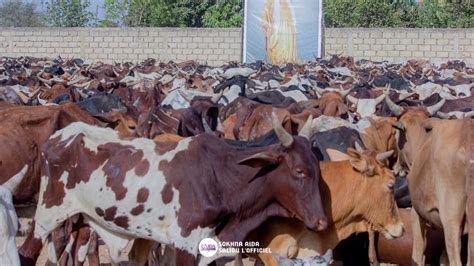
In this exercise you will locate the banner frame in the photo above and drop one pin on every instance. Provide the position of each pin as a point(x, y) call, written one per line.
point(321, 32)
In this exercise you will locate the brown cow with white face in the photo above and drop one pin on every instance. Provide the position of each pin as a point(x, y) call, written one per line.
point(174, 193)
point(357, 193)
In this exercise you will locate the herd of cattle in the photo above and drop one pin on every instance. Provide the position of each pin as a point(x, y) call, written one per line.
point(371, 160)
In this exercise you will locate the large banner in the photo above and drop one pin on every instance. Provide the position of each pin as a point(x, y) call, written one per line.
point(282, 31)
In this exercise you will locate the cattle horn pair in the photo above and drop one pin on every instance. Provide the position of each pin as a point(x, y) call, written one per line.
point(285, 137)
point(355, 101)
point(343, 92)
point(45, 81)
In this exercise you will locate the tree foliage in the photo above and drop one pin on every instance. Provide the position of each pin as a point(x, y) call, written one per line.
point(115, 13)
point(226, 13)
point(69, 13)
point(399, 13)
point(18, 13)
point(229, 13)
point(173, 13)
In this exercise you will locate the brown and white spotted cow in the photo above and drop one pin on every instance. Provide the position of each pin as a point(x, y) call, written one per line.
point(175, 193)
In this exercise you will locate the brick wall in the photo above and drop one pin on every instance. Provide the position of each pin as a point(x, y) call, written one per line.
point(216, 46)
point(397, 45)
point(213, 46)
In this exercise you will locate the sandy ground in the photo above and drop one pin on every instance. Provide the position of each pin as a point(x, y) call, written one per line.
point(104, 256)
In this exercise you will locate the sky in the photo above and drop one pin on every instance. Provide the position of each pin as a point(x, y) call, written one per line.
point(93, 8)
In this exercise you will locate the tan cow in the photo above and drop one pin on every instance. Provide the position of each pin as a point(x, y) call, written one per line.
point(331, 103)
point(357, 193)
point(380, 135)
point(436, 153)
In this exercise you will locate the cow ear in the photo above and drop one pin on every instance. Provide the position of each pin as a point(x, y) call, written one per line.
point(337, 156)
point(357, 161)
point(260, 159)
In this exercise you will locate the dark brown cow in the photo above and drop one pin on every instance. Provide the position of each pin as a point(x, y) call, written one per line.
point(188, 201)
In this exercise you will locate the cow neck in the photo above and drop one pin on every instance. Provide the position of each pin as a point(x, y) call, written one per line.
point(213, 184)
point(416, 136)
point(240, 196)
point(342, 220)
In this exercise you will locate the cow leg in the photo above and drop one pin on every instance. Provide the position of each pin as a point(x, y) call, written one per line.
point(93, 250)
point(238, 260)
point(372, 252)
point(52, 254)
point(31, 248)
point(85, 236)
point(115, 244)
point(140, 250)
point(419, 238)
point(452, 235)
point(184, 258)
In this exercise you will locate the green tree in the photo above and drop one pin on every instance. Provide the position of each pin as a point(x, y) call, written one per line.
point(69, 13)
point(18, 13)
point(166, 13)
point(399, 13)
point(115, 13)
point(224, 13)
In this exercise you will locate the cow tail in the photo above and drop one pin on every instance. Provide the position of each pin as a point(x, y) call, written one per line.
point(470, 193)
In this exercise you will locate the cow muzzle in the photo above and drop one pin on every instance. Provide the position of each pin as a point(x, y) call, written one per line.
point(317, 224)
point(394, 230)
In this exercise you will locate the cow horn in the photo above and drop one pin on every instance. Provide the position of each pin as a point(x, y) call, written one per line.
point(384, 155)
point(352, 99)
point(379, 99)
point(306, 129)
point(206, 126)
point(45, 81)
point(285, 137)
point(358, 147)
point(319, 91)
point(408, 95)
point(469, 114)
point(343, 92)
point(185, 96)
point(435, 108)
point(443, 115)
point(394, 108)
point(217, 97)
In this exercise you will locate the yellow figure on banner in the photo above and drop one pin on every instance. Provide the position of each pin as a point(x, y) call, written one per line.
point(280, 33)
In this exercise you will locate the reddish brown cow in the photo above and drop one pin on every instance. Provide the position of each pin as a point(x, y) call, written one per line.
point(290, 182)
point(23, 130)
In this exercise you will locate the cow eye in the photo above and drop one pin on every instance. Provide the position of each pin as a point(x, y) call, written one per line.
point(391, 185)
point(299, 172)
